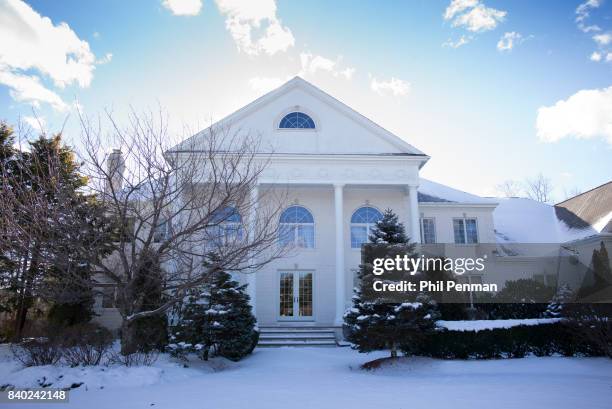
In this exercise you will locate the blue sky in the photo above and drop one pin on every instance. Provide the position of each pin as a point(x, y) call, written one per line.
point(441, 74)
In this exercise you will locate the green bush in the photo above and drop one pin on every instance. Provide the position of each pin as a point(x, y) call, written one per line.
point(514, 342)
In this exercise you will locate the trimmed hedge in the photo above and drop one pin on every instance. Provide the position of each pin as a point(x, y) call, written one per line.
point(513, 342)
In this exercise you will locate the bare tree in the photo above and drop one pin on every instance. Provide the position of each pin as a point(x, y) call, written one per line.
point(174, 207)
point(510, 188)
point(539, 188)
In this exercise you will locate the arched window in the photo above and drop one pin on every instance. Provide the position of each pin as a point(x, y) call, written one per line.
point(227, 226)
point(296, 120)
point(296, 228)
point(362, 222)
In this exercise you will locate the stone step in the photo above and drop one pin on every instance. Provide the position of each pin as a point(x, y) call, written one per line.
point(296, 330)
point(284, 343)
point(296, 336)
point(303, 335)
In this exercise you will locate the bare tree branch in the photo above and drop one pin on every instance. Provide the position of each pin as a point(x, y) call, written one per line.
point(179, 206)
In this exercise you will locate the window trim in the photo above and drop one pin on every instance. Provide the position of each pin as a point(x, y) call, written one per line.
point(366, 225)
point(465, 243)
point(295, 235)
point(435, 230)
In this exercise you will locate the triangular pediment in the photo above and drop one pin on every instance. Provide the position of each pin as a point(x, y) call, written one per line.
point(338, 128)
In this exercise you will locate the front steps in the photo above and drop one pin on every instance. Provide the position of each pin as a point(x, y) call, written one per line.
point(296, 336)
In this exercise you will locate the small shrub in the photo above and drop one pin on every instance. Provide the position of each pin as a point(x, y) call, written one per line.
point(519, 299)
point(36, 351)
point(147, 358)
point(85, 344)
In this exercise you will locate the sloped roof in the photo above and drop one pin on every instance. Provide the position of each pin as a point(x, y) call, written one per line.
point(308, 87)
point(588, 209)
point(522, 220)
point(432, 192)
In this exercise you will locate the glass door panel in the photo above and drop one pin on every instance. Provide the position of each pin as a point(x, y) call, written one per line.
point(304, 298)
point(286, 295)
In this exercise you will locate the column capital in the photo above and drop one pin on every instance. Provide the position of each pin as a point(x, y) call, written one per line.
point(338, 185)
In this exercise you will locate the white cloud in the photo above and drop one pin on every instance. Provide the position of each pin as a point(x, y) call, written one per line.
point(583, 11)
point(36, 122)
point(265, 84)
point(27, 88)
point(603, 39)
point(509, 40)
point(457, 6)
point(105, 60)
point(596, 56)
point(31, 43)
point(609, 57)
point(586, 114)
point(245, 18)
point(35, 43)
point(463, 40)
point(183, 7)
point(473, 15)
point(311, 64)
point(394, 86)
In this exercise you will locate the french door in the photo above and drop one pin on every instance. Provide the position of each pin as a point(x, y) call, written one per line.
point(295, 291)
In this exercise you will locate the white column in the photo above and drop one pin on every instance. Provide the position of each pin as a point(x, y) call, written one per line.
point(340, 281)
point(415, 217)
point(251, 277)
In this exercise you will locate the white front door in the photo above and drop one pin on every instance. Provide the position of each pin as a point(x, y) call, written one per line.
point(295, 295)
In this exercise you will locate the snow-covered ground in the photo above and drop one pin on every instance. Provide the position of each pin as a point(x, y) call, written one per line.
point(330, 378)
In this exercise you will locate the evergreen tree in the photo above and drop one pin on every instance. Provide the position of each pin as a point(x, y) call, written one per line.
point(556, 306)
point(216, 319)
point(597, 281)
point(49, 227)
point(390, 231)
point(381, 322)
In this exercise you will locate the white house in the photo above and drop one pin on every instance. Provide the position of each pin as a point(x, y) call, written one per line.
point(341, 170)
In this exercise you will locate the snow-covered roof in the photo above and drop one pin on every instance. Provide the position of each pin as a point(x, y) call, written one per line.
point(432, 192)
point(522, 220)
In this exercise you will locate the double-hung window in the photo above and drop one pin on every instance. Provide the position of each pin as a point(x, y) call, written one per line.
point(428, 230)
point(465, 230)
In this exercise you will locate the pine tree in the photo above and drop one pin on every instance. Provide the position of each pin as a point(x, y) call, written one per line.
point(556, 306)
point(382, 323)
point(390, 231)
point(51, 228)
point(216, 320)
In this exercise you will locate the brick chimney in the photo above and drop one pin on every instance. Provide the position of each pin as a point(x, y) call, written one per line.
point(115, 166)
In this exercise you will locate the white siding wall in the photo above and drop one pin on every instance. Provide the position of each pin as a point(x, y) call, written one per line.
point(320, 201)
point(444, 215)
